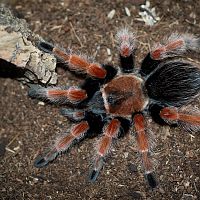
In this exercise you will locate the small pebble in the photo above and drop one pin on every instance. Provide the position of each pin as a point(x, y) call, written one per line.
point(127, 11)
point(136, 195)
point(111, 14)
point(186, 184)
point(16, 148)
point(108, 52)
point(41, 103)
point(126, 155)
point(132, 168)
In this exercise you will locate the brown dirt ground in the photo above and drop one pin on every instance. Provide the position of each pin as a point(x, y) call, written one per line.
point(27, 126)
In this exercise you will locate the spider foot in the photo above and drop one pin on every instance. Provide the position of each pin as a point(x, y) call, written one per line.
point(151, 179)
point(43, 160)
point(32, 92)
point(46, 47)
point(94, 173)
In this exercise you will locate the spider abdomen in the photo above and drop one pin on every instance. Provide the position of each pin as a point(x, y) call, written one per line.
point(174, 83)
point(124, 95)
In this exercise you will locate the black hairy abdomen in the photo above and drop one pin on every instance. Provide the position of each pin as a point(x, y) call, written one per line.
point(174, 83)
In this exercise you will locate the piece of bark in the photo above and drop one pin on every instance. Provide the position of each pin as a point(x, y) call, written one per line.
point(18, 46)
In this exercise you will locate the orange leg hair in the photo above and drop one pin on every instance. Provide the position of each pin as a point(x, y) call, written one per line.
point(111, 131)
point(62, 144)
point(172, 114)
point(163, 50)
point(144, 148)
point(175, 45)
point(78, 63)
point(58, 95)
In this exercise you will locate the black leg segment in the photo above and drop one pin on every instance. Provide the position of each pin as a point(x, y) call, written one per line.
point(127, 63)
point(148, 65)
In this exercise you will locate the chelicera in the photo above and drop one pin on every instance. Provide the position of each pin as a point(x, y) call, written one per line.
point(113, 101)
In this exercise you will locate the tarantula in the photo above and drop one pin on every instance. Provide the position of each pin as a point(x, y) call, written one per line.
point(113, 101)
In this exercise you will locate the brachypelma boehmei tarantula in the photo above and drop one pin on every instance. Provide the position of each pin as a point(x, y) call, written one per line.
point(113, 101)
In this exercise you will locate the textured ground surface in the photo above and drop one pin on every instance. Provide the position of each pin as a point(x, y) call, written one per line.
point(26, 126)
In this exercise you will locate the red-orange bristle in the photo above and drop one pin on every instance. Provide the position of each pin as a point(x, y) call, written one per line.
point(174, 45)
point(169, 113)
point(142, 141)
point(156, 55)
point(139, 122)
point(96, 71)
point(65, 141)
point(76, 94)
point(61, 54)
point(80, 128)
point(58, 93)
point(125, 51)
point(112, 128)
point(141, 136)
point(104, 145)
point(195, 120)
point(78, 62)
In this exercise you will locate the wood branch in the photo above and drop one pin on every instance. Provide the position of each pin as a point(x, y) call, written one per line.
point(18, 49)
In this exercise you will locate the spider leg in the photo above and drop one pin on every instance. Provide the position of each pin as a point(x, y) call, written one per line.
point(77, 132)
point(111, 131)
point(72, 95)
point(173, 46)
point(173, 115)
point(144, 148)
point(75, 62)
point(126, 46)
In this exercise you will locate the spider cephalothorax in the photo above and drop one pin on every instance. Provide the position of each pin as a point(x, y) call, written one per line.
point(114, 101)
